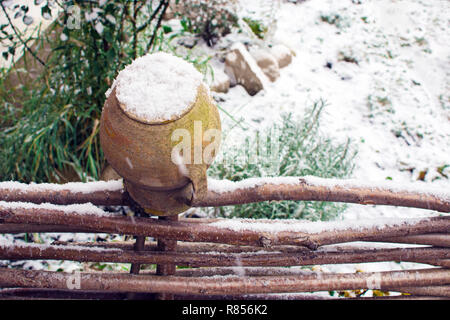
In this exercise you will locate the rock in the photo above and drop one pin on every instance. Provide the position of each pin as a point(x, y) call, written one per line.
point(282, 54)
point(219, 82)
point(109, 174)
point(172, 11)
point(230, 74)
point(267, 63)
point(188, 42)
point(169, 14)
point(243, 69)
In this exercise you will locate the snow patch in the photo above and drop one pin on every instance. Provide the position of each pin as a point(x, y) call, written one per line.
point(223, 186)
point(76, 187)
point(157, 87)
point(274, 226)
point(81, 209)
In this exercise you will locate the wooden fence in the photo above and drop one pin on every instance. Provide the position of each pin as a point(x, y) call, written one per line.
point(224, 258)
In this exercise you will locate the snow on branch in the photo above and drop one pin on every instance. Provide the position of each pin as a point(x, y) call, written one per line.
point(240, 232)
point(33, 251)
point(225, 192)
point(98, 192)
point(79, 209)
point(309, 188)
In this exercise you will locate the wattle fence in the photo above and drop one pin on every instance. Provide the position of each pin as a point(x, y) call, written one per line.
point(199, 258)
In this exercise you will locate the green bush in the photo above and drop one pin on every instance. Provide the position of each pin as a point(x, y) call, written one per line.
point(210, 19)
point(297, 150)
point(52, 135)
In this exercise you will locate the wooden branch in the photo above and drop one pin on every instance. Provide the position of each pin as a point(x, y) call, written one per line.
point(35, 294)
point(270, 190)
point(165, 4)
point(150, 19)
point(308, 282)
point(44, 294)
point(135, 268)
point(49, 294)
point(440, 239)
point(437, 240)
point(445, 263)
point(434, 239)
point(439, 291)
point(64, 197)
point(187, 247)
point(300, 296)
point(232, 271)
point(170, 259)
point(31, 228)
point(267, 190)
point(137, 247)
point(165, 247)
point(192, 247)
point(222, 239)
point(197, 232)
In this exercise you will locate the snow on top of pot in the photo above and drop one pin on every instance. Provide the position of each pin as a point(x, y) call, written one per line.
point(157, 87)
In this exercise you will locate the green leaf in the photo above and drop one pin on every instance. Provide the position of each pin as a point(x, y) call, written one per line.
point(167, 29)
point(108, 36)
point(184, 24)
point(110, 55)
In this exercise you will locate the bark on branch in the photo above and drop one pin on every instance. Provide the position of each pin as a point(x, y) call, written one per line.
point(199, 232)
point(303, 191)
point(194, 247)
point(64, 197)
point(33, 293)
point(308, 282)
point(87, 254)
point(267, 189)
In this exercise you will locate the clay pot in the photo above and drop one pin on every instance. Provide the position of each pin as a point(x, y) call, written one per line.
point(141, 152)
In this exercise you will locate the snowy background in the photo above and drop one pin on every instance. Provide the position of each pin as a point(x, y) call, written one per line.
point(393, 102)
point(383, 68)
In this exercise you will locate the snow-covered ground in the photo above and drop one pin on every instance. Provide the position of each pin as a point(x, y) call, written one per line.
point(383, 67)
point(392, 100)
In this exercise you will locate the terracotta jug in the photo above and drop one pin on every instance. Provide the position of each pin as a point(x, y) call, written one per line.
point(142, 151)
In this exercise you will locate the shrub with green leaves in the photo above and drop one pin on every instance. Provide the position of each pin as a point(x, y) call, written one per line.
point(292, 148)
point(49, 133)
point(211, 19)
